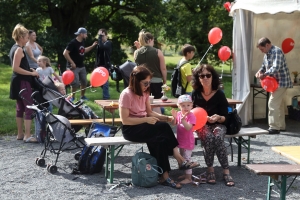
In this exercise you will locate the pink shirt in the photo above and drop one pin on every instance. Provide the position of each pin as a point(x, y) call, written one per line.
point(185, 138)
point(136, 104)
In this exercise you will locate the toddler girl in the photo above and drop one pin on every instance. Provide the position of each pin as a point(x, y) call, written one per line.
point(185, 121)
point(45, 68)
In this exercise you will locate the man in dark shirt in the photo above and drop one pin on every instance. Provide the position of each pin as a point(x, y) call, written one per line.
point(104, 50)
point(74, 54)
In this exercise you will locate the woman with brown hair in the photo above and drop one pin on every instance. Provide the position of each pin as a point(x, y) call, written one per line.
point(141, 124)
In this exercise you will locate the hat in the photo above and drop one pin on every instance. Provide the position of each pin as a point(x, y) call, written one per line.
point(185, 98)
point(81, 30)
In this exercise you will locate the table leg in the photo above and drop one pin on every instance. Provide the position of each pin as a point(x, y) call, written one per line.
point(112, 164)
point(283, 187)
point(239, 151)
point(113, 117)
point(270, 184)
point(106, 161)
point(248, 158)
point(103, 115)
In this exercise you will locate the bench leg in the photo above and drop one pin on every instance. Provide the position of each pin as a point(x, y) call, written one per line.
point(109, 163)
point(240, 151)
point(281, 187)
point(248, 157)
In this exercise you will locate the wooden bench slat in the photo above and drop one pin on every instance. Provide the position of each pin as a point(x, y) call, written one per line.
point(274, 169)
point(90, 121)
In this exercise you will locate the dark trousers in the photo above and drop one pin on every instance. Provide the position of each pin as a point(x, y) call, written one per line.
point(159, 137)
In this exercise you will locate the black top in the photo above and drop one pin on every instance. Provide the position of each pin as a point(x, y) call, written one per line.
point(17, 78)
point(77, 51)
point(104, 51)
point(217, 104)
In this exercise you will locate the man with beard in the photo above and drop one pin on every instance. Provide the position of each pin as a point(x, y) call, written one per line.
point(74, 54)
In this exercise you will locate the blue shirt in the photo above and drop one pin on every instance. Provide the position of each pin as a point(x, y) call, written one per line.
point(274, 64)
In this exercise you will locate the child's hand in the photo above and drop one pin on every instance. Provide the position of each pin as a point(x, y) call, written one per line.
point(182, 119)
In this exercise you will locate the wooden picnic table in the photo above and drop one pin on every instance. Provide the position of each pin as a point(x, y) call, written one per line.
point(112, 105)
point(290, 152)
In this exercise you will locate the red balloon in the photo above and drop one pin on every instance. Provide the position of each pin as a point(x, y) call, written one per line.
point(224, 53)
point(227, 6)
point(68, 77)
point(201, 117)
point(99, 76)
point(287, 45)
point(269, 84)
point(214, 35)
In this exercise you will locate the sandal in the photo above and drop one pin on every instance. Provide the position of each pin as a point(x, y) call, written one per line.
point(211, 178)
point(169, 182)
point(188, 165)
point(228, 179)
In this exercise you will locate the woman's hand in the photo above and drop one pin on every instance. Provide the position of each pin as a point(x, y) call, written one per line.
point(213, 119)
point(151, 120)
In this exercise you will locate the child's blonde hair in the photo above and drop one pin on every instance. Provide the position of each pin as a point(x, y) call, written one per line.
point(45, 59)
point(59, 84)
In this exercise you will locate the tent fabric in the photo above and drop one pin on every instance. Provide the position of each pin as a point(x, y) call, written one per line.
point(251, 21)
point(266, 6)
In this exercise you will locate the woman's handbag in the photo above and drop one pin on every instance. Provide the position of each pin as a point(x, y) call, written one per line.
point(234, 123)
point(144, 171)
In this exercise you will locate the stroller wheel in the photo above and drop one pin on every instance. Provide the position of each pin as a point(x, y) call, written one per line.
point(77, 155)
point(52, 169)
point(40, 161)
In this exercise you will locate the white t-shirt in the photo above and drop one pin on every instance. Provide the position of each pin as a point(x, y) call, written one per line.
point(43, 73)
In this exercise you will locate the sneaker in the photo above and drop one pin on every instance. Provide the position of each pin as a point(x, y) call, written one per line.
point(84, 98)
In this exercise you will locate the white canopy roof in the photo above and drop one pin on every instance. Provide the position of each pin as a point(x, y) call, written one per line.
point(266, 6)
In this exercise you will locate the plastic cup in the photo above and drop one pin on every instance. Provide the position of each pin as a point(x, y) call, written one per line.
point(151, 99)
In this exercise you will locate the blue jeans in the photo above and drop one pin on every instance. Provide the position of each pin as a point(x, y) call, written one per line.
point(105, 90)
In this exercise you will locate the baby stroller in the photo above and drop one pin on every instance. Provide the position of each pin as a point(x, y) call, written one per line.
point(47, 91)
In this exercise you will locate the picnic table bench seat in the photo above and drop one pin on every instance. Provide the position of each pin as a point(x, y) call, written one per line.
point(114, 146)
point(87, 122)
point(277, 175)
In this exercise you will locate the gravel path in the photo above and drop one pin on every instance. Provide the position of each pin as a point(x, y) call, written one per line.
point(21, 178)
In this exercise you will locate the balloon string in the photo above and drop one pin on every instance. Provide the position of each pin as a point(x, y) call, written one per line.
point(64, 96)
point(204, 55)
point(222, 69)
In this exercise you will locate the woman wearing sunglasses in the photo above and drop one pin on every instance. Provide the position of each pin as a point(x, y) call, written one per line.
point(207, 96)
point(141, 124)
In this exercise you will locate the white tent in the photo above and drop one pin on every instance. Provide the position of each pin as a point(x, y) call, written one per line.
point(253, 19)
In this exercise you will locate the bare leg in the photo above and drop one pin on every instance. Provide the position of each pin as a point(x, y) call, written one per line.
point(82, 87)
point(177, 156)
point(73, 89)
point(230, 182)
point(27, 130)
point(19, 121)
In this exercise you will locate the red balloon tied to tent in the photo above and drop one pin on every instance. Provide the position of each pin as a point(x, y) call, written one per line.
point(269, 84)
point(224, 53)
point(68, 77)
point(215, 35)
point(99, 76)
point(201, 117)
point(227, 6)
point(287, 45)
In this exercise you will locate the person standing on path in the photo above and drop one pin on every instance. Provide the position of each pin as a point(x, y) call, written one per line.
point(274, 65)
point(22, 78)
point(33, 50)
point(74, 54)
point(104, 51)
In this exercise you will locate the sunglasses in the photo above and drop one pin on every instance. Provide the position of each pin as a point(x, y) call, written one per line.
point(146, 84)
point(204, 75)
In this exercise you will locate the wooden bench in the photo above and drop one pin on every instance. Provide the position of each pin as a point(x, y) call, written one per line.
point(278, 174)
point(88, 122)
point(115, 145)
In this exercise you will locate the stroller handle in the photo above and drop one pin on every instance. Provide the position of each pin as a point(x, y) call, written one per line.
point(33, 107)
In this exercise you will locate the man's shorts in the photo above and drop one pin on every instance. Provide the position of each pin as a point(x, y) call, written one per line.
point(80, 77)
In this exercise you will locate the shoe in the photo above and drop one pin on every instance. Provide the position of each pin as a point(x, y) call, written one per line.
point(228, 179)
point(211, 178)
point(169, 182)
point(84, 98)
point(30, 140)
point(273, 131)
point(188, 165)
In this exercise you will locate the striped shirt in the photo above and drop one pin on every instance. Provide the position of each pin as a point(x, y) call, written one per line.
point(274, 64)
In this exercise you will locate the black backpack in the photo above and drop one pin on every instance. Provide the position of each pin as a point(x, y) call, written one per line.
point(234, 123)
point(177, 88)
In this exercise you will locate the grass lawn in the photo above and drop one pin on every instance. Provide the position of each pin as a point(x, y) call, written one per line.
point(8, 106)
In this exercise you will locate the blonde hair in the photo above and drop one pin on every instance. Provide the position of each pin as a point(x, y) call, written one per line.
point(18, 32)
point(59, 84)
point(144, 38)
point(46, 60)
